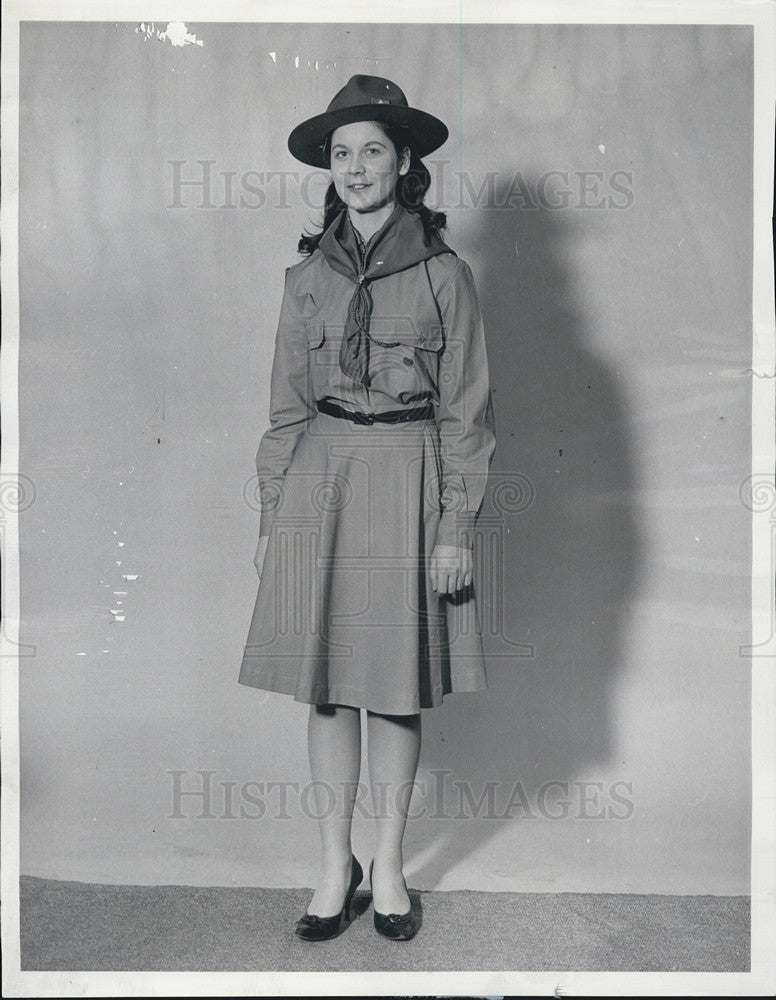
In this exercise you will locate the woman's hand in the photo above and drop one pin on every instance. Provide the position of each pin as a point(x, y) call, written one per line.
point(261, 551)
point(451, 568)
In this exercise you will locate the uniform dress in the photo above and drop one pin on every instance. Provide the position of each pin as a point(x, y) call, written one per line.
point(345, 611)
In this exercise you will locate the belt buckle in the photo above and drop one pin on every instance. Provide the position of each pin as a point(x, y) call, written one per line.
point(363, 418)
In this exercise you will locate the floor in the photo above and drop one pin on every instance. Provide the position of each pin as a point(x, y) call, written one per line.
point(81, 926)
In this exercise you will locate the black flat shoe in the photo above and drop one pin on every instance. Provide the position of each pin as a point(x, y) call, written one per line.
point(394, 926)
point(311, 927)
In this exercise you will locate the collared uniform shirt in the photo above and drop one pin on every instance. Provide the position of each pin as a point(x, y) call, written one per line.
point(427, 344)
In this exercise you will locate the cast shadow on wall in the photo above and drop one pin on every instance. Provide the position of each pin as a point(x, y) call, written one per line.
point(557, 547)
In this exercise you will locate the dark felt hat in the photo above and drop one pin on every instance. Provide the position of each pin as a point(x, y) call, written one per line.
point(366, 98)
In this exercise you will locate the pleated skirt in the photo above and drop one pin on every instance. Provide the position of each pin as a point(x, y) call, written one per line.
point(345, 612)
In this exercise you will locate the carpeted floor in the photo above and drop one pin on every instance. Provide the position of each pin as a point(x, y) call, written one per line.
point(74, 925)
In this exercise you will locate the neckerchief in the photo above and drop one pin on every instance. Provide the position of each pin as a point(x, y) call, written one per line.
point(397, 245)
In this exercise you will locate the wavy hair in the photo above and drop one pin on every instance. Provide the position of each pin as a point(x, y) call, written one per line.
point(411, 189)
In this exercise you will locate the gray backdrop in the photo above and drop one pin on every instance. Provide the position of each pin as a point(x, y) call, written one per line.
point(598, 180)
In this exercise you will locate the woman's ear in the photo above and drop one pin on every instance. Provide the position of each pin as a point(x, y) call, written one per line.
point(404, 161)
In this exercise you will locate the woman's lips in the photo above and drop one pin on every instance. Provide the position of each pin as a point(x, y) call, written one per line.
point(358, 187)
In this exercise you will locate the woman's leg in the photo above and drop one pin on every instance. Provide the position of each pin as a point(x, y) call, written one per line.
point(334, 749)
point(394, 748)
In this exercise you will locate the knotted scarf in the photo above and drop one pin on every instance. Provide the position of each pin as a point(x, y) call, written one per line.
point(398, 244)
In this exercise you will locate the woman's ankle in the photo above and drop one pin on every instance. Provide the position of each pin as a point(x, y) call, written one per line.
point(334, 860)
point(390, 861)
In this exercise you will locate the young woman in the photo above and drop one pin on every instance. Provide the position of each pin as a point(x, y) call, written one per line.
point(372, 474)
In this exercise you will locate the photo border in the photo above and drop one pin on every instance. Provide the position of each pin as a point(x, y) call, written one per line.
point(761, 980)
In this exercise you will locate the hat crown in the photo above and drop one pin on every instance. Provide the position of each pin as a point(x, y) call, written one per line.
point(362, 89)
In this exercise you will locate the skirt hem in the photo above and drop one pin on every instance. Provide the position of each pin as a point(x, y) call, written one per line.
point(355, 698)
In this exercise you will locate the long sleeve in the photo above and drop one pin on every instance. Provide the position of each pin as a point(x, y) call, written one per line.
point(290, 406)
point(466, 420)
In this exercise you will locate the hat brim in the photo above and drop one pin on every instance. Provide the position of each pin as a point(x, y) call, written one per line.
point(306, 141)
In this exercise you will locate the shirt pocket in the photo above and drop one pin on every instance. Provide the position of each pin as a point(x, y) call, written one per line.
point(322, 350)
point(405, 365)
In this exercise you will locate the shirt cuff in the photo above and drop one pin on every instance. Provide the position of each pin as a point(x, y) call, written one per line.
point(456, 528)
point(271, 494)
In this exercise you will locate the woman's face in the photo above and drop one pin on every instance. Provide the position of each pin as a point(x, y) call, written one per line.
point(364, 166)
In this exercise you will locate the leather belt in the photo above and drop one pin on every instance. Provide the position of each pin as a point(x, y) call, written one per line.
point(389, 417)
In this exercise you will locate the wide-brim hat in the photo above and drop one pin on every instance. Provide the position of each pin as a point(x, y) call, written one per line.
point(366, 98)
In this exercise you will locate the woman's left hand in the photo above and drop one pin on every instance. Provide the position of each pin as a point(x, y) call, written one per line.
point(451, 568)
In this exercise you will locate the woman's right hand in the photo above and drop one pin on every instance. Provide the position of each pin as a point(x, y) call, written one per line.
point(261, 551)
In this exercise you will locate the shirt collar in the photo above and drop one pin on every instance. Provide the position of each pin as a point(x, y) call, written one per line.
point(401, 242)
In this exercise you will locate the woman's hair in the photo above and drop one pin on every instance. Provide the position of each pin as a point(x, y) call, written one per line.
point(411, 189)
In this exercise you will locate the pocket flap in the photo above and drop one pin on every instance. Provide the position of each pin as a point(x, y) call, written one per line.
point(405, 332)
point(316, 334)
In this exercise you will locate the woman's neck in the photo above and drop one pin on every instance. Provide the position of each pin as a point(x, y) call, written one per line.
point(366, 224)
